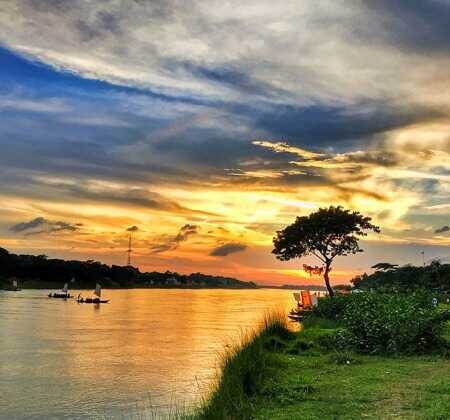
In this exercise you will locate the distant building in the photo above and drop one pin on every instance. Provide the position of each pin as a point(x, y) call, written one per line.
point(172, 281)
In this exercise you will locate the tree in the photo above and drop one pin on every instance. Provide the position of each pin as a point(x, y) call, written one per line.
point(385, 266)
point(325, 234)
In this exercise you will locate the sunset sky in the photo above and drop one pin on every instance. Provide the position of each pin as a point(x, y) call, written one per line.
point(203, 127)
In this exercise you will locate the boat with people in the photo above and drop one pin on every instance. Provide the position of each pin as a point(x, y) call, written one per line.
point(14, 287)
point(95, 299)
point(63, 294)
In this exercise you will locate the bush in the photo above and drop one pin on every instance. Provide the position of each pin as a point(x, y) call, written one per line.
point(331, 308)
point(392, 323)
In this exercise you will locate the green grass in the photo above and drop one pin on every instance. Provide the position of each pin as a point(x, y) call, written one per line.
point(244, 371)
point(280, 375)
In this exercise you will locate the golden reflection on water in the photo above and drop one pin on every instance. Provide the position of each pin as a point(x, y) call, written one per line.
point(146, 347)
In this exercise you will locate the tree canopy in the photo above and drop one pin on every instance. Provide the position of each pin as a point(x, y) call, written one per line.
point(42, 272)
point(325, 234)
point(434, 276)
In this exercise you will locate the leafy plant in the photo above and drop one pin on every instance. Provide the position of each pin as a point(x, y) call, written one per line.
point(331, 308)
point(392, 323)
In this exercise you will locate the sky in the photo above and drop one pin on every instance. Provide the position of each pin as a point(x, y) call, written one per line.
point(202, 128)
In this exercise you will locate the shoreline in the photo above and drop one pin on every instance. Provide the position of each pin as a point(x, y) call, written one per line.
point(162, 287)
point(280, 375)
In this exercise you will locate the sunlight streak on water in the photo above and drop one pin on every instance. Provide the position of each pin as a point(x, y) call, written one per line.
point(160, 347)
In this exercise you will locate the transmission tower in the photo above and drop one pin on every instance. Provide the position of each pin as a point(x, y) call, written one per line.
point(129, 251)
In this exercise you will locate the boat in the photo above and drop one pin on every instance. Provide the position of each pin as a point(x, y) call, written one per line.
point(296, 316)
point(14, 287)
point(95, 299)
point(63, 294)
point(305, 303)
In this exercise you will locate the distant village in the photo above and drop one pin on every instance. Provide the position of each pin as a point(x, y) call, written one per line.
point(40, 272)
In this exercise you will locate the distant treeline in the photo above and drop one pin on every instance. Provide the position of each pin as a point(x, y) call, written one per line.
point(42, 272)
point(435, 276)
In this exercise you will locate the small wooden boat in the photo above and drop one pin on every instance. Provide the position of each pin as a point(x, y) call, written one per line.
point(298, 314)
point(63, 294)
point(14, 287)
point(97, 299)
point(92, 300)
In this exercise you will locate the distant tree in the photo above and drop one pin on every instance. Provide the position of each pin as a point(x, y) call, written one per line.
point(325, 234)
point(384, 266)
point(344, 287)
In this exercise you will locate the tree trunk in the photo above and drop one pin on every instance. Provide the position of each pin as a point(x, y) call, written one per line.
point(327, 280)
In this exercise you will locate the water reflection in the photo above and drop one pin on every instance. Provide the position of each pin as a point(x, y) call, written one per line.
point(62, 359)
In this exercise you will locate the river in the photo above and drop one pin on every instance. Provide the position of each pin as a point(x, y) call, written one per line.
point(141, 355)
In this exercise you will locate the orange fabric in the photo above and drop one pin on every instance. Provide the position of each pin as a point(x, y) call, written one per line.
point(306, 299)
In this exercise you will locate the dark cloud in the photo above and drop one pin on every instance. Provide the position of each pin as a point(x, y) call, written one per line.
point(23, 226)
point(419, 25)
point(227, 249)
point(169, 243)
point(186, 231)
point(42, 225)
point(443, 229)
point(229, 76)
point(338, 126)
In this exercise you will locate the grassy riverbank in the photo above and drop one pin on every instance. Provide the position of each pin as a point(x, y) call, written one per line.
point(283, 375)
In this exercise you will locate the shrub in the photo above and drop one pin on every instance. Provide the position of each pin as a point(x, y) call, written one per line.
point(331, 308)
point(392, 323)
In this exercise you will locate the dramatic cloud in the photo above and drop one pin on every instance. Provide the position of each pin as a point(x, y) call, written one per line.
point(230, 116)
point(170, 243)
point(227, 249)
point(227, 50)
point(443, 229)
point(41, 225)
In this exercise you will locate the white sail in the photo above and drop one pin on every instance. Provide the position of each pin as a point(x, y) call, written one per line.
point(14, 283)
point(98, 290)
point(65, 289)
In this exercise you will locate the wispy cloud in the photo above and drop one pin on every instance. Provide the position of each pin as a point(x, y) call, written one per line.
point(170, 243)
point(227, 249)
point(41, 225)
point(443, 229)
point(153, 126)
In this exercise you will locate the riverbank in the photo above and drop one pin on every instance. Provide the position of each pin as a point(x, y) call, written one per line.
point(296, 378)
point(39, 271)
point(48, 285)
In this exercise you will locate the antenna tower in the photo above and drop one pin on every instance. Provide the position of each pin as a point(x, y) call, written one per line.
point(129, 252)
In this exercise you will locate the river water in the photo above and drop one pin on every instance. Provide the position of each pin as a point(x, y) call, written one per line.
point(139, 356)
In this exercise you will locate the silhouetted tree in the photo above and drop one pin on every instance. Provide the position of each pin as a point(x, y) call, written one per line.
point(85, 274)
point(326, 234)
point(435, 277)
point(384, 266)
